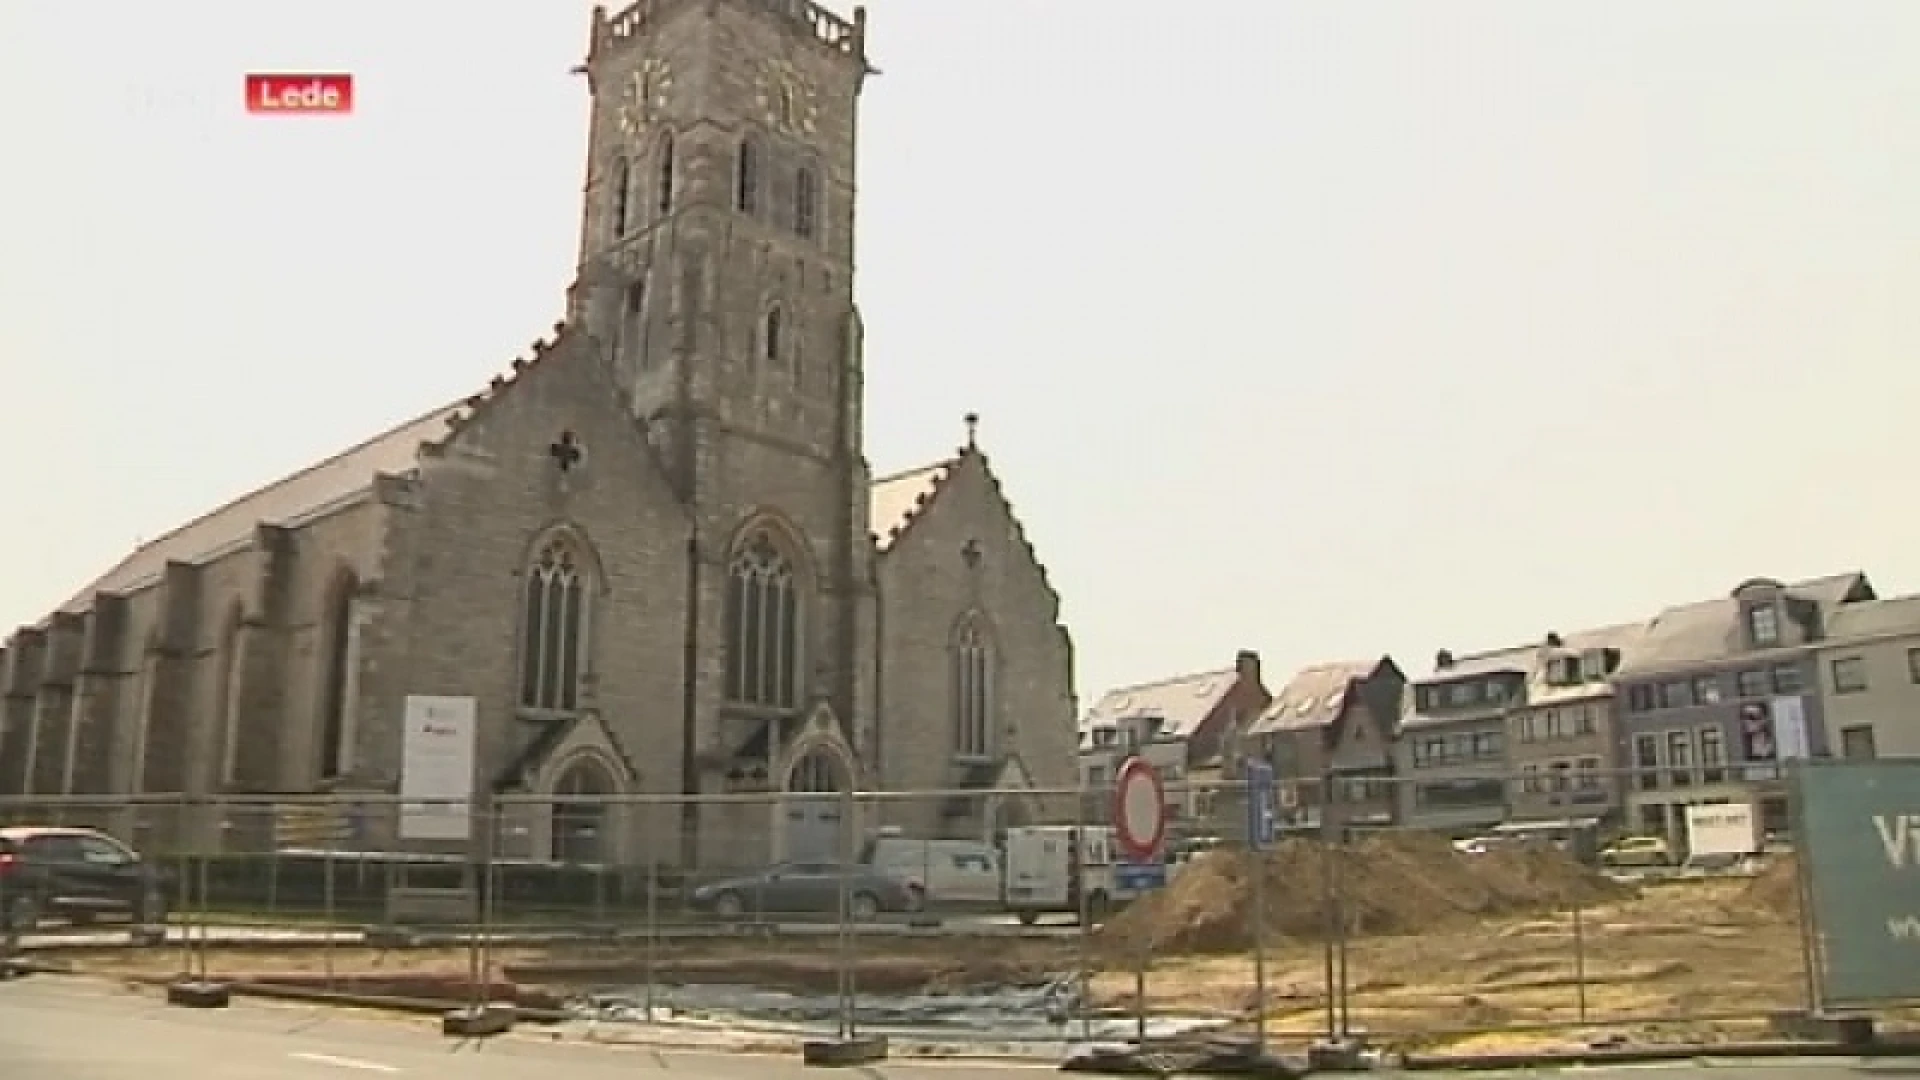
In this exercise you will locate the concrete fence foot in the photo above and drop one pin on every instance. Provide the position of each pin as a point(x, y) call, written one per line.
point(479, 1022)
point(844, 1053)
point(199, 994)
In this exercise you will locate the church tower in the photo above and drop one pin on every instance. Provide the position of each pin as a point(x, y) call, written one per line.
point(716, 247)
point(716, 274)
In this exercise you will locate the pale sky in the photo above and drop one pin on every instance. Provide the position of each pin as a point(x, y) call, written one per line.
point(1326, 330)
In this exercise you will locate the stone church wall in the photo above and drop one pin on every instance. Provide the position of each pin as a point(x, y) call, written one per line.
point(296, 595)
point(457, 558)
point(927, 585)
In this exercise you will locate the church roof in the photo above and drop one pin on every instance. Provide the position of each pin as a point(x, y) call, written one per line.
point(308, 493)
point(325, 485)
point(896, 499)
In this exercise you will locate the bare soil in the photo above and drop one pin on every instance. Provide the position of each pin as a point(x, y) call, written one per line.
point(1465, 952)
point(1694, 957)
point(1390, 883)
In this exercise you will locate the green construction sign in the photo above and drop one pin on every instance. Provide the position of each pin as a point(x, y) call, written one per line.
point(1859, 837)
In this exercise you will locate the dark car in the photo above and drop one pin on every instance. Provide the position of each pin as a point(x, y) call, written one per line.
point(75, 874)
point(805, 888)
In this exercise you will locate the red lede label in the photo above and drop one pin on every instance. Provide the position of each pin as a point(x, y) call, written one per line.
point(299, 95)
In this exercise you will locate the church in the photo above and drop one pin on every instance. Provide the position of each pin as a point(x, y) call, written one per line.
point(652, 553)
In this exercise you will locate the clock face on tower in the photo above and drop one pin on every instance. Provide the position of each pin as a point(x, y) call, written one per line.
point(645, 95)
point(787, 99)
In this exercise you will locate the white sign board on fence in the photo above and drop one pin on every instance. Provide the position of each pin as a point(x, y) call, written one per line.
point(1718, 830)
point(436, 768)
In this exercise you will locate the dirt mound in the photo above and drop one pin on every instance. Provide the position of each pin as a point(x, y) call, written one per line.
point(1388, 883)
point(1775, 891)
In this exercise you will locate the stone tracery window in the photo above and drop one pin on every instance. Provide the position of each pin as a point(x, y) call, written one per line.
point(746, 181)
point(622, 198)
point(815, 773)
point(806, 202)
point(664, 193)
point(972, 658)
point(763, 626)
point(553, 629)
point(771, 331)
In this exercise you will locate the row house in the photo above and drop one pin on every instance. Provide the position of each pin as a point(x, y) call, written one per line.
point(1185, 726)
point(1716, 695)
point(1452, 755)
point(1563, 735)
point(1329, 735)
point(1519, 735)
point(1620, 727)
point(1869, 670)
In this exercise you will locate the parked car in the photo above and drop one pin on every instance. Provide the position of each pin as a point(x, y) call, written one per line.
point(1636, 851)
point(806, 888)
point(75, 874)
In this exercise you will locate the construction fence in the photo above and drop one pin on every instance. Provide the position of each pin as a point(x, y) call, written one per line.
point(1009, 917)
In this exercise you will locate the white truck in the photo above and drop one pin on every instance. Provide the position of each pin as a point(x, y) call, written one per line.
point(1062, 870)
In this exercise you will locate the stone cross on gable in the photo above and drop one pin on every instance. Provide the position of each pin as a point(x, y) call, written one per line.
point(566, 451)
point(971, 552)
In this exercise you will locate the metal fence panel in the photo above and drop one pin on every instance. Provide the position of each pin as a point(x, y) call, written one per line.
point(1001, 919)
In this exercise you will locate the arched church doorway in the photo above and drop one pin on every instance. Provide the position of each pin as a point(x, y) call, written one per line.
point(813, 811)
point(580, 813)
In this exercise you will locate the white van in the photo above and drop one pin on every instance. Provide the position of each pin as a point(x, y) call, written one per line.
point(1062, 870)
point(942, 873)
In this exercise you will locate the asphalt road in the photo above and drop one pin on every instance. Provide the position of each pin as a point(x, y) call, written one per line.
point(61, 1029)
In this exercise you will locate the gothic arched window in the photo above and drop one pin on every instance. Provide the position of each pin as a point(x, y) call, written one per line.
point(553, 629)
point(972, 657)
point(815, 772)
point(666, 174)
point(231, 705)
point(622, 198)
point(337, 683)
point(746, 180)
point(770, 333)
point(806, 202)
point(763, 626)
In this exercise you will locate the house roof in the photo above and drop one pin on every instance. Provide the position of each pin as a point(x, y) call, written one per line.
point(331, 482)
point(1708, 631)
point(1542, 692)
point(1532, 661)
point(1518, 658)
point(1182, 703)
point(1896, 616)
point(1312, 698)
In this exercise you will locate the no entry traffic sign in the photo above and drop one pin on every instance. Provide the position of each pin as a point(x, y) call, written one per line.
point(1139, 810)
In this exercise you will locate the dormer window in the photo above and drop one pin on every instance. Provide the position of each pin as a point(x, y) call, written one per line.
point(1763, 626)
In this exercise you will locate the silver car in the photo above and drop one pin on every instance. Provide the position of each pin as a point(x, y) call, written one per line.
point(805, 888)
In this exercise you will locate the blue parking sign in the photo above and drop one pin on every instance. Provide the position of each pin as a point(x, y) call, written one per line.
point(1260, 810)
